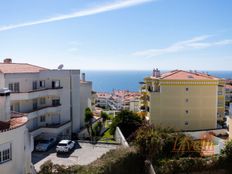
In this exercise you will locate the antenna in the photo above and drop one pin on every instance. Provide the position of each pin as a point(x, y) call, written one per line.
point(60, 67)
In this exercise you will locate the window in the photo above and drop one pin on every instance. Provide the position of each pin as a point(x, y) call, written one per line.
point(5, 152)
point(56, 102)
point(14, 87)
point(42, 118)
point(186, 111)
point(186, 89)
point(35, 104)
point(186, 123)
point(42, 83)
point(56, 84)
point(42, 101)
point(11, 87)
point(219, 92)
point(34, 85)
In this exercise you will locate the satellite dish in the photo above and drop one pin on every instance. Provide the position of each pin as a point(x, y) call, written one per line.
point(60, 67)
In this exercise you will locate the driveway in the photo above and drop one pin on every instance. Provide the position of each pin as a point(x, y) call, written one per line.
point(83, 154)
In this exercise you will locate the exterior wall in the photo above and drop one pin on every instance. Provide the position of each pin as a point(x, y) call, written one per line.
point(5, 108)
point(21, 154)
point(75, 100)
point(175, 107)
point(221, 100)
point(85, 99)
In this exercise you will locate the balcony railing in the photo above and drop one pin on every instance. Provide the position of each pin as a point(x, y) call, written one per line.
point(45, 107)
point(35, 94)
point(37, 90)
point(50, 126)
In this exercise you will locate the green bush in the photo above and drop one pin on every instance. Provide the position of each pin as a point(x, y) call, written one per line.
point(127, 121)
point(186, 165)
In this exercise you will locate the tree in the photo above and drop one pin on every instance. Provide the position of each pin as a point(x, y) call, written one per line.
point(104, 116)
point(227, 151)
point(97, 128)
point(88, 121)
point(127, 121)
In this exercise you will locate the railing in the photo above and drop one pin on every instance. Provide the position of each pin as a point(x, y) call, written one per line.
point(51, 126)
point(37, 90)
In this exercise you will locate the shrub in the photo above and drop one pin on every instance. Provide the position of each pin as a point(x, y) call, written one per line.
point(127, 121)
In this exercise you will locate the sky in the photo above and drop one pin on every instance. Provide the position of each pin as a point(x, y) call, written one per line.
point(118, 34)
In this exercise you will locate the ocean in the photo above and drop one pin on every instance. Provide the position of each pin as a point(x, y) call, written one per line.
point(106, 81)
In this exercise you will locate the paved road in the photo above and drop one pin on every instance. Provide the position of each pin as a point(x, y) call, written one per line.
point(83, 154)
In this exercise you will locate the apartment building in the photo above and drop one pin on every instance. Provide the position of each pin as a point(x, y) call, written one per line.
point(118, 100)
point(183, 100)
point(15, 150)
point(49, 98)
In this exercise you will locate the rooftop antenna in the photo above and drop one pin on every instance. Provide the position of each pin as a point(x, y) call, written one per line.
point(60, 67)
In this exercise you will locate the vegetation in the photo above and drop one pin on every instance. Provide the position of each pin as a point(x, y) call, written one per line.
point(88, 121)
point(122, 160)
point(104, 116)
point(127, 121)
point(97, 129)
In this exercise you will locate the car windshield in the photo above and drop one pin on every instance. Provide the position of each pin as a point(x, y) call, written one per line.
point(62, 144)
point(43, 141)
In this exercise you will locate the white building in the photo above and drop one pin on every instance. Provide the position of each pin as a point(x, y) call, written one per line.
point(50, 98)
point(15, 152)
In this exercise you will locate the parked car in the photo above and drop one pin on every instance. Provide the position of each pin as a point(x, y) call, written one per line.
point(44, 145)
point(65, 146)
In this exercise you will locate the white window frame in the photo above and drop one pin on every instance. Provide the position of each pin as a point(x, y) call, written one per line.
point(5, 152)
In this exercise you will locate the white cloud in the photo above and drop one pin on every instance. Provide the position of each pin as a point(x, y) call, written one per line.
point(86, 12)
point(194, 43)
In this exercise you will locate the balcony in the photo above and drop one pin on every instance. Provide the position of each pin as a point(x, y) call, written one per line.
point(36, 94)
point(43, 111)
point(51, 128)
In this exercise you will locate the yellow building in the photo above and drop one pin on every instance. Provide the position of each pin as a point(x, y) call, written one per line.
point(183, 100)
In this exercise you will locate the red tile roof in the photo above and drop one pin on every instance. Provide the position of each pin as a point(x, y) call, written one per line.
point(185, 75)
point(228, 86)
point(19, 68)
point(12, 123)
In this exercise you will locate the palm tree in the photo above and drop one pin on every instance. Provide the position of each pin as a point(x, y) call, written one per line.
point(88, 121)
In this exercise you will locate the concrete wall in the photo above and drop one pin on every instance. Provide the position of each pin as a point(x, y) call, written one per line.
point(119, 137)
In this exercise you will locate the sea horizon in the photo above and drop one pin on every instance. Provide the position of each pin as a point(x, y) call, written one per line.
point(108, 80)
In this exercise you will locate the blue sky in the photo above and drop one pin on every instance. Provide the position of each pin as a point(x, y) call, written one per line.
point(118, 34)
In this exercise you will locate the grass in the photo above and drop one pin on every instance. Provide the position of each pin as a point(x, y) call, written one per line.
point(107, 137)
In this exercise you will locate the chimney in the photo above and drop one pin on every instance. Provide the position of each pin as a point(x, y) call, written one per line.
point(156, 73)
point(7, 60)
point(5, 112)
point(83, 77)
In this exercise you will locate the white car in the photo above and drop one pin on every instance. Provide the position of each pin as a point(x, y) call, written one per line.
point(44, 145)
point(65, 146)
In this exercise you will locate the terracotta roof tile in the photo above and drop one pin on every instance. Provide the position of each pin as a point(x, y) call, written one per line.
point(19, 68)
point(13, 123)
point(185, 75)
